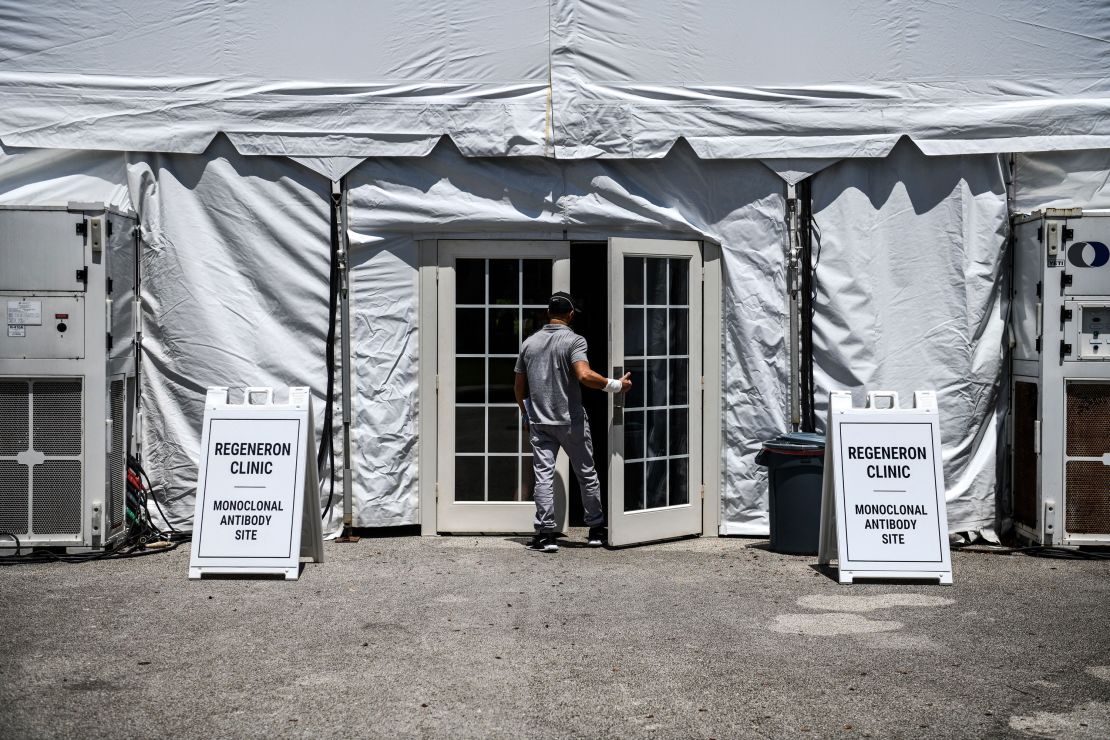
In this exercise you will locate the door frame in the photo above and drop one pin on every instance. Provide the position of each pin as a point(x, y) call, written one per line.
point(712, 385)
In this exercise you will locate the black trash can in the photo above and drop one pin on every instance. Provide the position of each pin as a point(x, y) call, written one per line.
point(795, 464)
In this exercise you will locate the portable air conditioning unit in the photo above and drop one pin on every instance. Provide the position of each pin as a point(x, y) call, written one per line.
point(68, 374)
point(1061, 391)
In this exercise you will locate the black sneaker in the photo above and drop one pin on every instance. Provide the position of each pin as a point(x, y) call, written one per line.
point(544, 541)
point(597, 536)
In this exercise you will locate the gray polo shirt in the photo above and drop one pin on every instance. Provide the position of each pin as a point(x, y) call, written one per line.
point(547, 358)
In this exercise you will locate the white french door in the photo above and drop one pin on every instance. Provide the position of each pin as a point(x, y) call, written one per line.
point(491, 296)
point(655, 432)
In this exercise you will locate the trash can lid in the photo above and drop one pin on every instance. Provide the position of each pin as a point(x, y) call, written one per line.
point(795, 443)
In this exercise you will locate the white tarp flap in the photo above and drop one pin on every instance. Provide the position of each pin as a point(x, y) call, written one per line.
point(235, 293)
point(908, 286)
point(794, 171)
point(394, 202)
point(569, 78)
point(811, 78)
point(40, 177)
point(1062, 180)
point(159, 75)
point(384, 434)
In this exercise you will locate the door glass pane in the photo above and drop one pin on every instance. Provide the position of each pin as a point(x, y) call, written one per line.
point(470, 478)
point(679, 327)
point(633, 486)
point(470, 380)
point(634, 399)
point(680, 282)
point(656, 483)
point(655, 383)
point(679, 379)
point(633, 332)
point(504, 427)
point(504, 483)
point(536, 281)
point(504, 331)
point(677, 433)
point(656, 433)
point(633, 281)
point(467, 419)
point(493, 460)
point(680, 481)
point(504, 282)
point(656, 332)
point(470, 282)
point(502, 375)
point(470, 334)
point(656, 440)
point(655, 281)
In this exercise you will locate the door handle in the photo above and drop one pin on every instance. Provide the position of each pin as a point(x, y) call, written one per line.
point(618, 400)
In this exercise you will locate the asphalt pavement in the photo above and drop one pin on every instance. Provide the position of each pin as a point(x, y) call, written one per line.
point(470, 637)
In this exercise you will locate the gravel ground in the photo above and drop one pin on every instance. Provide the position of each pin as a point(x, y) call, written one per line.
point(480, 637)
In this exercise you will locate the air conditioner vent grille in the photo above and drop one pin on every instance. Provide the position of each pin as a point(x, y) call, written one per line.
point(57, 497)
point(117, 463)
point(14, 408)
point(57, 417)
point(1088, 431)
point(1088, 497)
point(13, 497)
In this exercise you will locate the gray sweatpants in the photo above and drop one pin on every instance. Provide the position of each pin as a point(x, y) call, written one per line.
point(575, 439)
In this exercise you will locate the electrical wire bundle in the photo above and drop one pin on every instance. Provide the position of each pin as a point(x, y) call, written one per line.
point(143, 536)
point(1058, 552)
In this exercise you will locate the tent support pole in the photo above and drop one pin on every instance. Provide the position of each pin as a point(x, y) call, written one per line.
point(793, 261)
point(345, 364)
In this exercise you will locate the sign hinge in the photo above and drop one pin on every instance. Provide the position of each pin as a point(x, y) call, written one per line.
point(1065, 349)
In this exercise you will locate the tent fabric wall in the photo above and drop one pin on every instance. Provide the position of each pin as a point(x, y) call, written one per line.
point(1062, 180)
point(395, 202)
point(563, 78)
point(45, 177)
point(235, 292)
point(909, 284)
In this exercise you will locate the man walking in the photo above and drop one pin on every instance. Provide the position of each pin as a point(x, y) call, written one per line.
point(551, 365)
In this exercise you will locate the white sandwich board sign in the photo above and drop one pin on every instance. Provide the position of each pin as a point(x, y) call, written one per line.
point(883, 508)
point(257, 491)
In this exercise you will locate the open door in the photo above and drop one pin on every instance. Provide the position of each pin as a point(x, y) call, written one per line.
point(491, 296)
point(655, 430)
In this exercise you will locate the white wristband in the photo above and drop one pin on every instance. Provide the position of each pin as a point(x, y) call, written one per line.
point(612, 386)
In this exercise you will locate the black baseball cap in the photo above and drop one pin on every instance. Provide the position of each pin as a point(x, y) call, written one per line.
point(561, 303)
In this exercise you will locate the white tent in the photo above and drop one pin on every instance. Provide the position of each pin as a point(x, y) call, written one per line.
point(224, 126)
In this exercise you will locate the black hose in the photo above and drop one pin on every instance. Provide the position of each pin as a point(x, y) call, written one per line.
point(327, 449)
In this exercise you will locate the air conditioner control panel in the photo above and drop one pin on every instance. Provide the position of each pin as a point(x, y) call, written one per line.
point(1087, 330)
point(43, 326)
